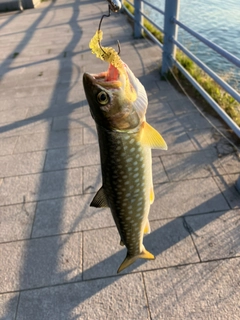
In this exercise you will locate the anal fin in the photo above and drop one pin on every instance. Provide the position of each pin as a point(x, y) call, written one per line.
point(147, 228)
point(151, 195)
point(99, 200)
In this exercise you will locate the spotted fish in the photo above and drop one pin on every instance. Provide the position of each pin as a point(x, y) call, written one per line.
point(118, 103)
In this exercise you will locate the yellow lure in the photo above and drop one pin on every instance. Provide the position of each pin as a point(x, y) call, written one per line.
point(109, 55)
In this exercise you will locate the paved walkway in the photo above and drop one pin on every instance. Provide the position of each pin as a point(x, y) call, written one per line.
point(58, 256)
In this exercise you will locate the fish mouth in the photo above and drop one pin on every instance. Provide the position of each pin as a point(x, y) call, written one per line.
point(112, 74)
point(89, 78)
point(108, 79)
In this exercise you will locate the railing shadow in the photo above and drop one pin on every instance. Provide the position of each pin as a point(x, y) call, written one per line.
point(30, 255)
point(158, 242)
point(9, 20)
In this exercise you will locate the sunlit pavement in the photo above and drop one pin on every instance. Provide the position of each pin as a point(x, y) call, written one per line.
point(58, 256)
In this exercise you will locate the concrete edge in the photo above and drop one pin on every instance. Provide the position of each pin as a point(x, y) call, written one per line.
point(14, 5)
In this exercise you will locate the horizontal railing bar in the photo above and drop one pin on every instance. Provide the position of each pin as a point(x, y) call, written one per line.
point(227, 55)
point(129, 3)
point(211, 73)
point(152, 6)
point(209, 99)
point(152, 37)
point(153, 23)
point(128, 12)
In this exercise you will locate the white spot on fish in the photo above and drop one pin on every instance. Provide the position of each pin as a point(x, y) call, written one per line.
point(132, 149)
point(131, 141)
point(135, 175)
point(129, 159)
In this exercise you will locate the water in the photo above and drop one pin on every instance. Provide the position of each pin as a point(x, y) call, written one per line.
point(218, 21)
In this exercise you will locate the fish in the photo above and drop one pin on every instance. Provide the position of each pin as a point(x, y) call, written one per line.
point(118, 103)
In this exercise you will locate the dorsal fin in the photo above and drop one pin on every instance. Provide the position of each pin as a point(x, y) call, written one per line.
point(99, 200)
point(141, 103)
point(151, 137)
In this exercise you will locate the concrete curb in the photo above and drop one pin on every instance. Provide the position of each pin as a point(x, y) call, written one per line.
point(18, 5)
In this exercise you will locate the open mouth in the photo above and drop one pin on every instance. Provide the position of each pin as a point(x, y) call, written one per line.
point(109, 78)
point(112, 73)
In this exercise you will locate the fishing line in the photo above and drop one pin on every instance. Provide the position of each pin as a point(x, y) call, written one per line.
point(99, 29)
point(200, 111)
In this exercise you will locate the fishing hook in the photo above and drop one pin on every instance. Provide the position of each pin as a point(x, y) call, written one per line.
point(99, 28)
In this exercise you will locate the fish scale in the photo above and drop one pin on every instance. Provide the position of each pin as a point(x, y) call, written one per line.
point(126, 183)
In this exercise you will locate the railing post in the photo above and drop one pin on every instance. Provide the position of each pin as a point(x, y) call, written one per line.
point(138, 5)
point(170, 31)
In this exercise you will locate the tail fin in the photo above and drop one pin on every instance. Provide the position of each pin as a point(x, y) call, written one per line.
point(130, 260)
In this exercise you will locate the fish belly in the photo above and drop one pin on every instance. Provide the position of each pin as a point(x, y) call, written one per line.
point(127, 180)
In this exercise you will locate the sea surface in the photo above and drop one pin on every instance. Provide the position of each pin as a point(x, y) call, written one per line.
point(218, 21)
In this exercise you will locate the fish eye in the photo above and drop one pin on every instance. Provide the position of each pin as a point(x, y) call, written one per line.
point(102, 97)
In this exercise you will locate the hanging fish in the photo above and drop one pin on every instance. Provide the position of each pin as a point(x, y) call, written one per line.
point(118, 103)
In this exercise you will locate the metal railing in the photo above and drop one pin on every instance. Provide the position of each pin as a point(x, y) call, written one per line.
point(170, 43)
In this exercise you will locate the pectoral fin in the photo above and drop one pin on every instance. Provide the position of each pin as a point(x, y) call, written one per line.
point(130, 260)
point(151, 137)
point(99, 200)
